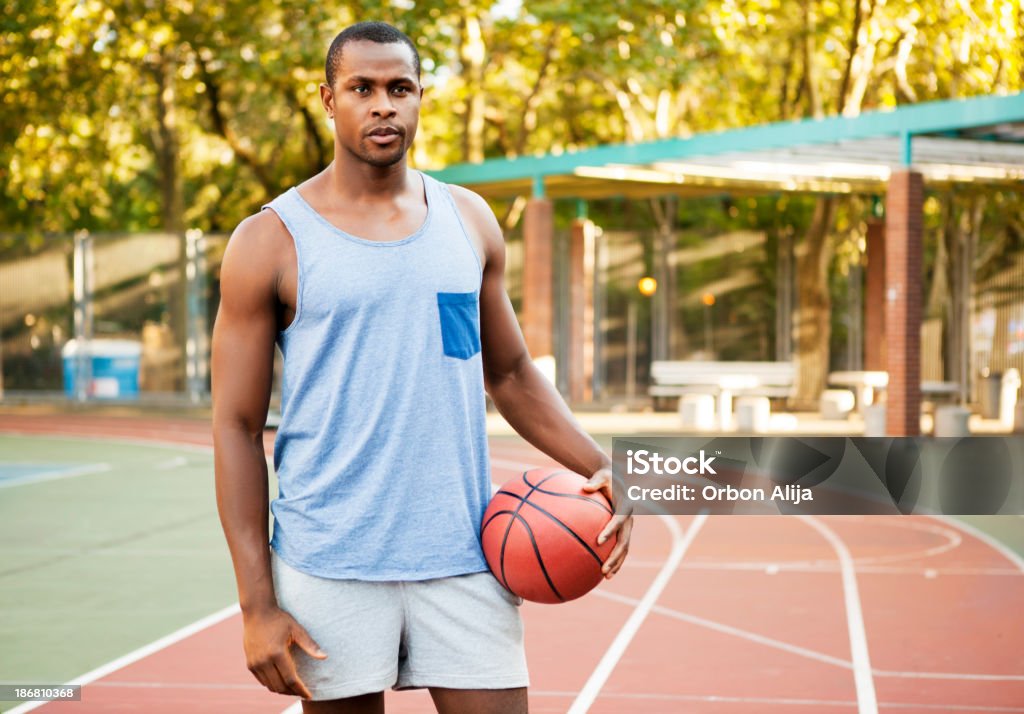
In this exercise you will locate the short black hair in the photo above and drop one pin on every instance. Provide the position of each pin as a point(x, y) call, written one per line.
point(380, 32)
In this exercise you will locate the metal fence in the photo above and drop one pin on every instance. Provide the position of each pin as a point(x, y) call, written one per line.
point(160, 292)
point(66, 304)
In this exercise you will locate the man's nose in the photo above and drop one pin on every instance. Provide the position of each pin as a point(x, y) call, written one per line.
point(383, 106)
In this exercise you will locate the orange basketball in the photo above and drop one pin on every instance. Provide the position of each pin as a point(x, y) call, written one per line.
point(539, 535)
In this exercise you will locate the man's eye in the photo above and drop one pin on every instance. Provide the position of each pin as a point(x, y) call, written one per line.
point(402, 90)
point(359, 89)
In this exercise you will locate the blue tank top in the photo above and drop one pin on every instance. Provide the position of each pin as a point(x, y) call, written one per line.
point(381, 454)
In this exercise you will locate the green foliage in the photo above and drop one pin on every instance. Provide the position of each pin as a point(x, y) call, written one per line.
point(135, 115)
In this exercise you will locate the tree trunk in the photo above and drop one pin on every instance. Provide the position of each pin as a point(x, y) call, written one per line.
point(472, 54)
point(812, 326)
point(167, 149)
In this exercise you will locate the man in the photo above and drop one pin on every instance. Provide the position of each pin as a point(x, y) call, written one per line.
point(384, 289)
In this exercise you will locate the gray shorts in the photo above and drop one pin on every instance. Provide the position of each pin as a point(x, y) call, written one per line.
point(461, 632)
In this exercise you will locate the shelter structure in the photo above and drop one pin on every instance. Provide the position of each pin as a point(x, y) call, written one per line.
point(893, 153)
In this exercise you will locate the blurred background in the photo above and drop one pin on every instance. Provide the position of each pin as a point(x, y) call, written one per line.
point(135, 135)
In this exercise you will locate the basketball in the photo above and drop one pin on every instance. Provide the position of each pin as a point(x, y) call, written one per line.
point(539, 535)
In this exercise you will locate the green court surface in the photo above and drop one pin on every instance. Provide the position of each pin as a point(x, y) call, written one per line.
point(1008, 530)
point(95, 565)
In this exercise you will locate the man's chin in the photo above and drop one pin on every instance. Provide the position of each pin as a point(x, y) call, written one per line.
point(383, 160)
point(385, 163)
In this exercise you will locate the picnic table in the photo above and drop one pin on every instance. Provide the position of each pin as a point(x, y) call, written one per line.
point(723, 380)
point(865, 384)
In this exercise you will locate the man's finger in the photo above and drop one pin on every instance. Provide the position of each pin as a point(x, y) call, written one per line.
point(290, 677)
point(611, 527)
point(258, 674)
point(273, 678)
point(618, 555)
point(618, 565)
point(604, 486)
point(613, 558)
point(301, 638)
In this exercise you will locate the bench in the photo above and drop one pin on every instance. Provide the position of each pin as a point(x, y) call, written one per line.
point(722, 380)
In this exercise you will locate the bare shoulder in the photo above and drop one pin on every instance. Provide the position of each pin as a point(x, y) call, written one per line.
point(479, 218)
point(259, 234)
point(258, 254)
point(260, 241)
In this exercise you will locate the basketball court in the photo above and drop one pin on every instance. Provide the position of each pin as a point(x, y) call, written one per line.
point(116, 576)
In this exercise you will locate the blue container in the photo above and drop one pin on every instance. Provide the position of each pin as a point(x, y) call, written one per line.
point(114, 367)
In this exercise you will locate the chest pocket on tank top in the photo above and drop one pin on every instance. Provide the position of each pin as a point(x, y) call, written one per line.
point(460, 324)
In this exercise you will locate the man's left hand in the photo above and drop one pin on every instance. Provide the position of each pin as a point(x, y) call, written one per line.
point(620, 524)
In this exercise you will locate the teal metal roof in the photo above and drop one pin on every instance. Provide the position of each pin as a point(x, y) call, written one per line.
point(979, 139)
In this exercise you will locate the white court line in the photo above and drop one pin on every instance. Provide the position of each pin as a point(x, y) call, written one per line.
point(951, 537)
point(866, 700)
point(985, 538)
point(803, 651)
point(680, 543)
point(255, 686)
point(794, 567)
point(735, 631)
point(54, 475)
point(141, 652)
point(713, 698)
point(126, 440)
point(171, 463)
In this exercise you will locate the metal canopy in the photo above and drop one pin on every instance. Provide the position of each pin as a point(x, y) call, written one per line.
point(979, 140)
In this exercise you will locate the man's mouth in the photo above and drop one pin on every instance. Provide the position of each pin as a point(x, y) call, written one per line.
point(384, 135)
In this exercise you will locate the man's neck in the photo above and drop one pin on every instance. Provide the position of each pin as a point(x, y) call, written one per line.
point(354, 180)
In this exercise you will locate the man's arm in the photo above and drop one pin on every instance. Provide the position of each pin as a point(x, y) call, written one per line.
point(242, 374)
point(521, 393)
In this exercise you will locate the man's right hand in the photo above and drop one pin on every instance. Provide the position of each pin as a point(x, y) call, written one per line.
point(269, 637)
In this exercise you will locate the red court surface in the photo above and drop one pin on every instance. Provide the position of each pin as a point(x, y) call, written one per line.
point(727, 614)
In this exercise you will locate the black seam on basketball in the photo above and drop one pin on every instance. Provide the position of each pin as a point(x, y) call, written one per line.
point(597, 503)
point(541, 483)
point(508, 529)
point(557, 520)
point(540, 560)
point(488, 521)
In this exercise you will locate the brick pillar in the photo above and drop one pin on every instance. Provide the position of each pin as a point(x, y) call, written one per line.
point(903, 300)
point(581, 311)
point(874, 299)
point(538, 259)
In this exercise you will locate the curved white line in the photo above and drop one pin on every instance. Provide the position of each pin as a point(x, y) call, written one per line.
point(128, 441)
point(680, 543)
point(803, 651)
point(985, 538)
point(867, 703)
point(55, 474)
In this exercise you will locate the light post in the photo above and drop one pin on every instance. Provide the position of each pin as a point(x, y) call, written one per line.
point(709, 344)
point(647, 286)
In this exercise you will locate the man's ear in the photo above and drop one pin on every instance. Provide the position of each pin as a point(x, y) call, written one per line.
point(327, 99)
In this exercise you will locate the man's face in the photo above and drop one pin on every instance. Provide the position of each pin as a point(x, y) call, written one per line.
point(375, 101)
